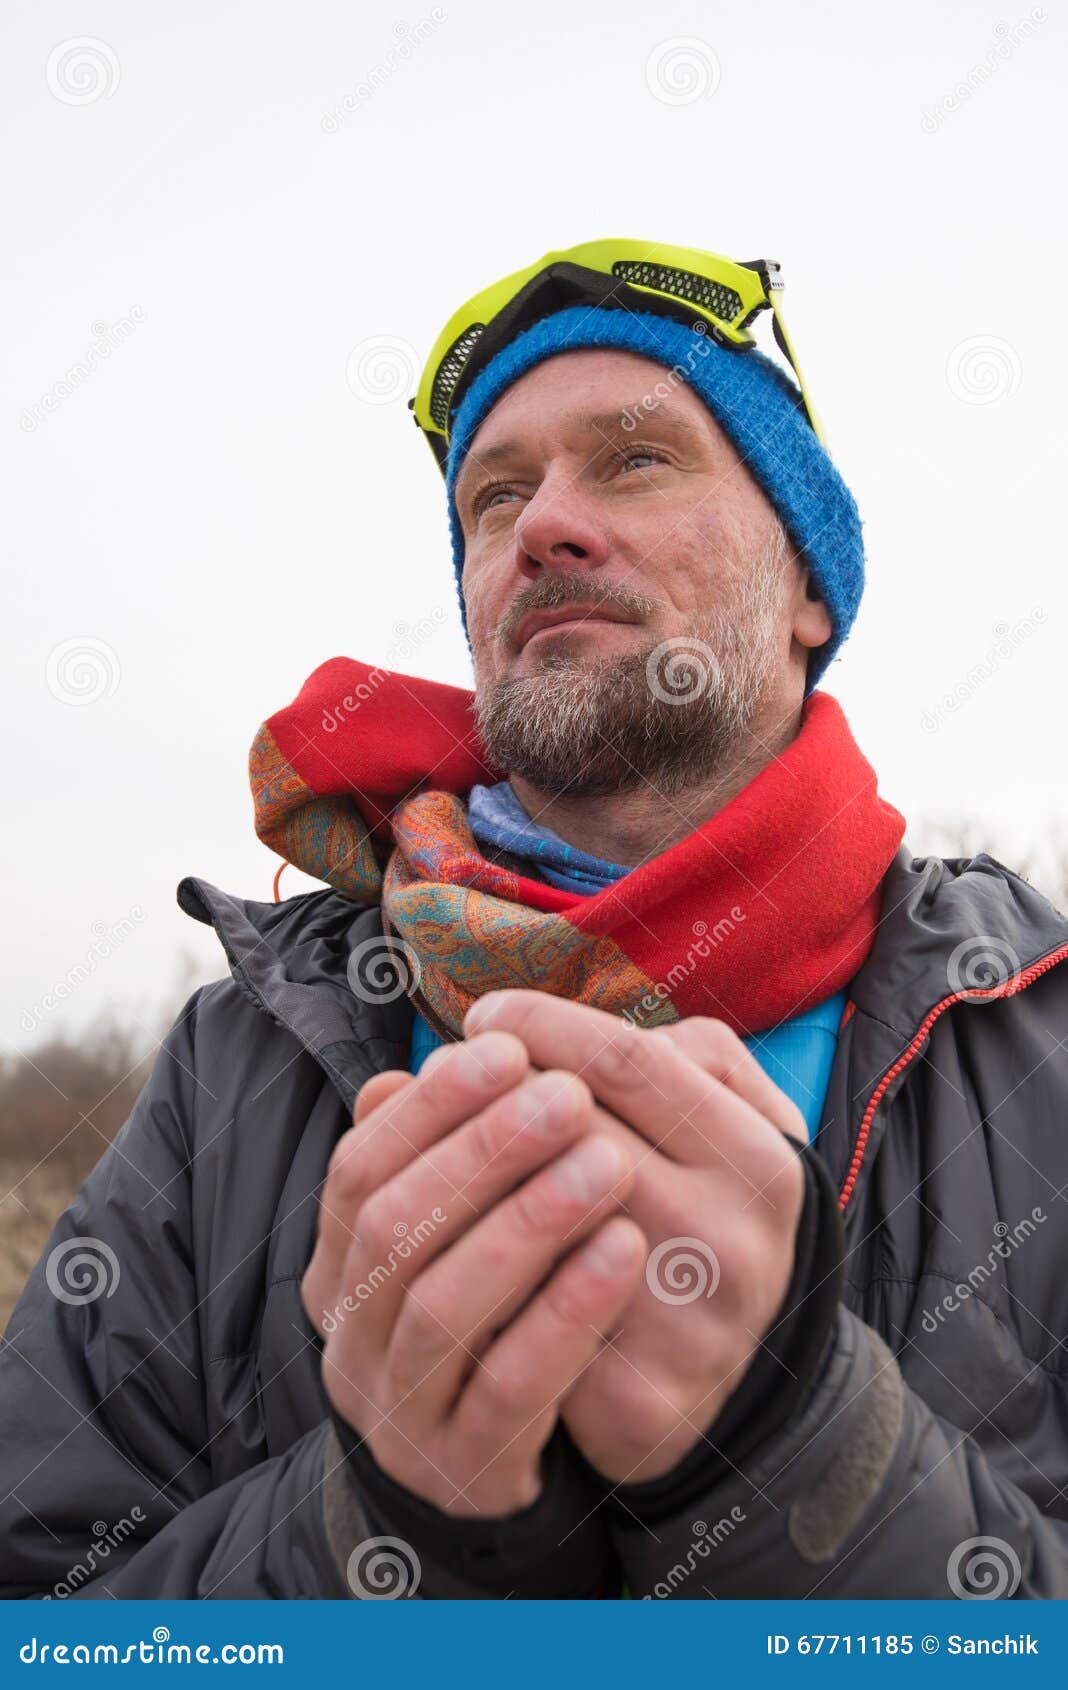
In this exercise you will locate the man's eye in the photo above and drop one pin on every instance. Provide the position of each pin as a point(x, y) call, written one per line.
point(640, 452)
point(485, 499)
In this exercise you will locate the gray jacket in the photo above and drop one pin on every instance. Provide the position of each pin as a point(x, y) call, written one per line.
point(168, 1435)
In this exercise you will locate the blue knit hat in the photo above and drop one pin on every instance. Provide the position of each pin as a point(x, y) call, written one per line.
point(755, 403)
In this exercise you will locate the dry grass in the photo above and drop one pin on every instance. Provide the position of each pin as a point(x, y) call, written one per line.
point(59, 1111)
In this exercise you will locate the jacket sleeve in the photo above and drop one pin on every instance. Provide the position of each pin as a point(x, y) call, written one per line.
point(106, 1477)
point(391, 1542)
point(105, 1451)
point(863, 1491)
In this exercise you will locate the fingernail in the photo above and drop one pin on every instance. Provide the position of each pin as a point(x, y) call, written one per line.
point(493, 1058)
point(589, 1170)
point(611, 1251)
point(546, 1103)
point(482, 1012)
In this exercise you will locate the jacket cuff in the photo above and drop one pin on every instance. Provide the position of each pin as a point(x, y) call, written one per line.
point(787, 1522)
point(381, 1533)
point(787, 1363)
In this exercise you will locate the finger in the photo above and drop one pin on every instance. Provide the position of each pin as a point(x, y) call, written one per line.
point(377, 1089)
point(512, 1399)
point(453, 1310)
point(719, 1052)
point(413, 1218)
point(660, 1091)
point(403, 1124)
point(319, 1284)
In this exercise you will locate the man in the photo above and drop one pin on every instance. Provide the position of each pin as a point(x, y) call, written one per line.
point(692, 1236)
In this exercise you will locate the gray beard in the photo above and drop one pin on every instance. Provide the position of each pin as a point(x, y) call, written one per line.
point(672, 716)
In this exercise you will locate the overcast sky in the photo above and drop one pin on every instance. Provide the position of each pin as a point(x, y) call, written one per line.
point(250, 239)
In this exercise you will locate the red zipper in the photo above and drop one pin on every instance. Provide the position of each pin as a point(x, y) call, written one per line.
point(1014, 984)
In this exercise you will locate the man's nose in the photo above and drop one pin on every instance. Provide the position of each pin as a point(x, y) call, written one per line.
point(557, 529)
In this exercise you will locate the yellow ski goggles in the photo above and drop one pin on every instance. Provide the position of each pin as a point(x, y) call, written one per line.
point(692, 287)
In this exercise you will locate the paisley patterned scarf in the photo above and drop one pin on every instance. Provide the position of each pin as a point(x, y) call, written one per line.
point(760, 913)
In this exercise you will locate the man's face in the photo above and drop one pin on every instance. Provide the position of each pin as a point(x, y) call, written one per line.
point(633, 607)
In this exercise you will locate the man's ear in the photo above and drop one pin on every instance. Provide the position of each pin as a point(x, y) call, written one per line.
point(812, 619)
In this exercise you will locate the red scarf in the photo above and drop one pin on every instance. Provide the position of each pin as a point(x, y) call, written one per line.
point(762, 912)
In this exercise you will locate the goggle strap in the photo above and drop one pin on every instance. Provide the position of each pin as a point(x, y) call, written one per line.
point(782, 340)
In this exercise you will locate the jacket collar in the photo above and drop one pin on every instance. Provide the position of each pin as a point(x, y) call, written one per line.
point(294, 962)
point(951, 925)
point(944, 926)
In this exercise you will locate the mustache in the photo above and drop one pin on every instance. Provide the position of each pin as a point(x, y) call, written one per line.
point(550, 592)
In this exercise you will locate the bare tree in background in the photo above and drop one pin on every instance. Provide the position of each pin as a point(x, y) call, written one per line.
point(1043, 863)
point(61, 1105)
